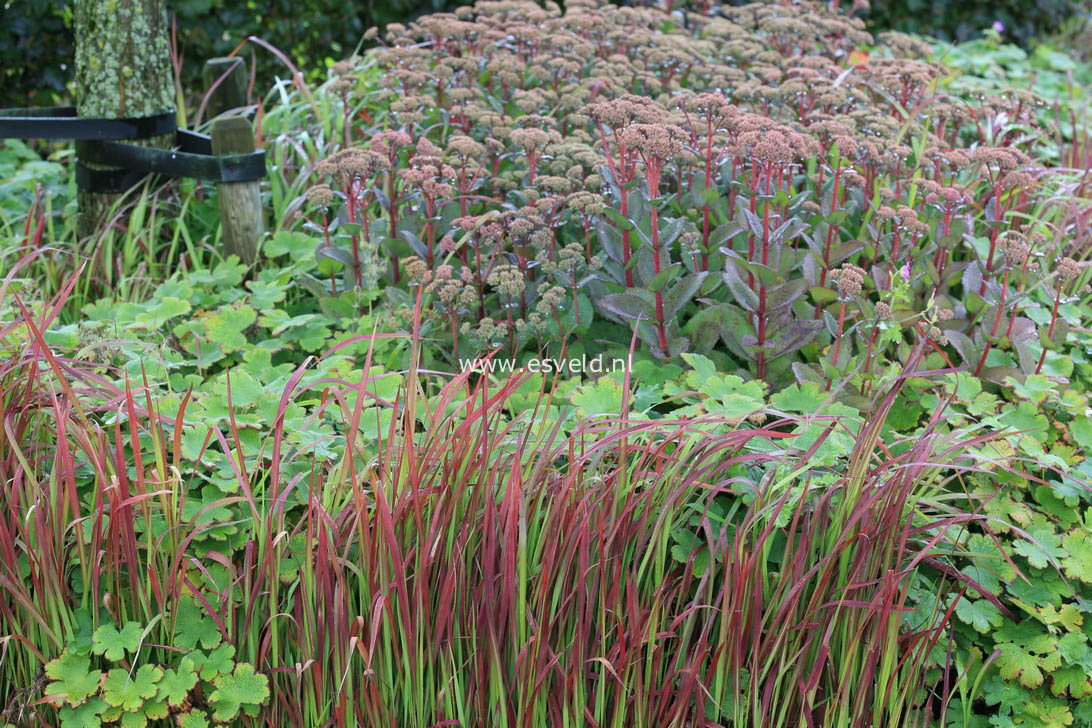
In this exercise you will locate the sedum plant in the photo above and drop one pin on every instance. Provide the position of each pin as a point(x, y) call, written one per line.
point(702, 178)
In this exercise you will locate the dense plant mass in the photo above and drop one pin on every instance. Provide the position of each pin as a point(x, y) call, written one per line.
point(836, 473)
point(739, 186)
point(950, 20)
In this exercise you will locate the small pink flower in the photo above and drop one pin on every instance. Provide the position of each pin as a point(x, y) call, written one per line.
point(906, 272)
point(999, 26)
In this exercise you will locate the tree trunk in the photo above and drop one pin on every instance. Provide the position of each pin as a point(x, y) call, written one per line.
point(123, 69)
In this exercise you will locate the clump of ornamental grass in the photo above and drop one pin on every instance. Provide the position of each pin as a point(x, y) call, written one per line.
point(699, 177)
point(471, 569)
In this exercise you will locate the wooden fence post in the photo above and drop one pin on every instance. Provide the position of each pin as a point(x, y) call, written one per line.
point(231, 93)
point(240, 202)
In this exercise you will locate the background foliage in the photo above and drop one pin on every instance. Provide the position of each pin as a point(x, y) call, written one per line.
point(960, 20)
point(254, 474)
point(36, 42)
point(36, 35)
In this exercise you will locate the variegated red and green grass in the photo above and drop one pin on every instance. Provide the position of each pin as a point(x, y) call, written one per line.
point(482, 570)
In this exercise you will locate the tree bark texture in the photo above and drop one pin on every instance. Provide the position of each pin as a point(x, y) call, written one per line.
point(123, 70)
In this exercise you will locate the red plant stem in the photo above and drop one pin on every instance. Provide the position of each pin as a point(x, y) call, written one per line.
point(831, 232)
point(430, 233)
point(760, 358)
point(653, 166)
point(455, 335)
point(354, 186)
point(993, 240)
point(480, 278)
point(708, 184)
point(1019, 290)
point(868, 351)
point(996, 324)
point(626, 245)
point(838, 339)
point(751, 235)
point(393, 217)
point(1050, 329)
point(619, 172)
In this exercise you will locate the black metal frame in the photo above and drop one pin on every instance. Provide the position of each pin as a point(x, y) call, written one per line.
point(108, 166)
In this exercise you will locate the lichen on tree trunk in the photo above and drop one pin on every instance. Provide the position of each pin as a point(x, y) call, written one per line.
point(123, 69)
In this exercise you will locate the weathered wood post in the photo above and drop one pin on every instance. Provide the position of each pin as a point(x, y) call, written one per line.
point(231, 92)
point(123, 70)
point(241, 221)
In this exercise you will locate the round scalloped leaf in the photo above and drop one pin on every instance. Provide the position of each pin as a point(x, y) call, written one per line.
point(193, 627)
point(217, 662)
point(1016, 663)
point(134, 720)
point(129, 692)
point(980, 614)
point(193, 719)
point(177, 683)
point(88, 715)
point(1078, 563)
point(112, 644)
point(226, 327)
point(74, 680)
point(241, 689)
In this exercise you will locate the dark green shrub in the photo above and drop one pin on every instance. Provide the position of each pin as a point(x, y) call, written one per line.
point(36, 50)
point(36, 43)
point(961, 20)
point(748, 187)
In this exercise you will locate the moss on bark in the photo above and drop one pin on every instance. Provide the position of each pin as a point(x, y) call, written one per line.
point(123, 69)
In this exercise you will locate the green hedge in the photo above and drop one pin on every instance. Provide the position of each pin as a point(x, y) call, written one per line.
point(36, 43)
point(1023, 20)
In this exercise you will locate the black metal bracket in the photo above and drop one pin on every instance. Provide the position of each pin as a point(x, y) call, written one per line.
point(124, 165)
point(61, 122)
point(192, 158)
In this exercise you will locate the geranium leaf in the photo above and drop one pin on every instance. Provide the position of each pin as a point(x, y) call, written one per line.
point(226, 326)
point(177, 683)
point(74, 680)
point(112, 644)
point(241, 689)
point(193, 627)
point(88, 715)
point(128, 692)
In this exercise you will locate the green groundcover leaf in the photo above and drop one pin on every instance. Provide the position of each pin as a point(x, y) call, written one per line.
point(242, 689)
point(112, 644)
point(74, 680)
